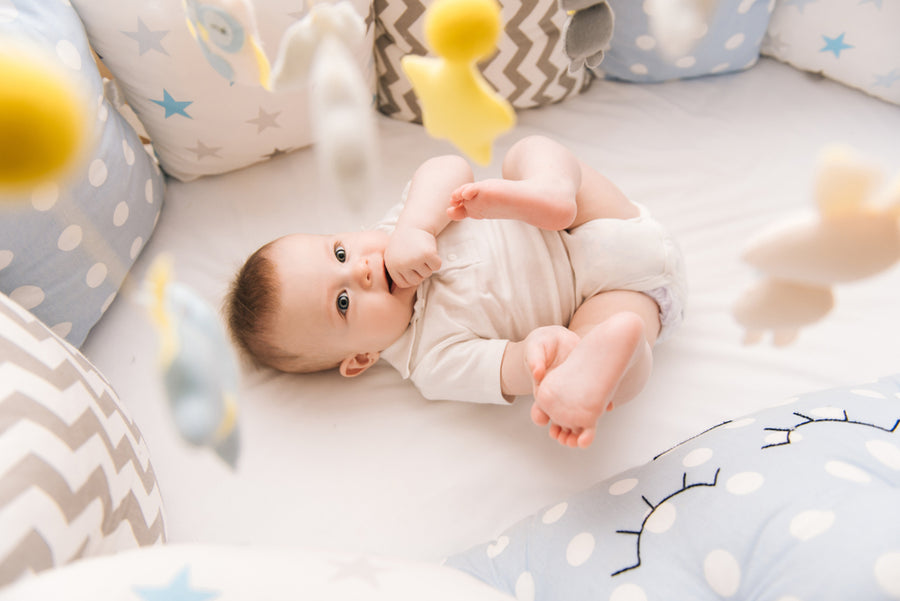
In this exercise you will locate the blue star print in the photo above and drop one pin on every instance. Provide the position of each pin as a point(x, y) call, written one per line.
point(177, 590)
point(172, 106)
point(835, 45)
point(888, 79)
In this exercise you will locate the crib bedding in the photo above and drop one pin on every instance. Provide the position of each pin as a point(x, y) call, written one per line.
point(367, 465)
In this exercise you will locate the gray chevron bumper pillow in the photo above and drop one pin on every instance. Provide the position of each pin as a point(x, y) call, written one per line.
point(530, 67)
point(75, 473)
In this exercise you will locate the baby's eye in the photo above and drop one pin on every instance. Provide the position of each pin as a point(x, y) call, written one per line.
point(343, 302)
point(340, 253)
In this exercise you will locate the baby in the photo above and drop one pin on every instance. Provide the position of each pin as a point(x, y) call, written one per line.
point(548, 282)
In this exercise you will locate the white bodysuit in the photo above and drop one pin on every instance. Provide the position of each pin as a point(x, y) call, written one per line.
point(501, 279)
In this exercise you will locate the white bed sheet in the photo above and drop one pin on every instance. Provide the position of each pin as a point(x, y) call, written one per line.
point(368, 465)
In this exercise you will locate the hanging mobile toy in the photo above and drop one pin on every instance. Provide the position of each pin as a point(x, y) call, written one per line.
point(854, 234)
point(198, 364)
point(457, 103)
point(313, 54)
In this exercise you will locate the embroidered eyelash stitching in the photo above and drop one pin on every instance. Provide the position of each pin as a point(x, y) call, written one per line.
point(669, 450)
point(639, 533)
point(812, 420)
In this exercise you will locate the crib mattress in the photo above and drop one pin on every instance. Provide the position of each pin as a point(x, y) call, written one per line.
point(369, 465)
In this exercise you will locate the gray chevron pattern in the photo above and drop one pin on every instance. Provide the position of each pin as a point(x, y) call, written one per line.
point(75, 474)
point(529, 68)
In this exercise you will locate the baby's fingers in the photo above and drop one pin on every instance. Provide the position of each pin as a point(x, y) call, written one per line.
point(536, 360)
point(408, 279)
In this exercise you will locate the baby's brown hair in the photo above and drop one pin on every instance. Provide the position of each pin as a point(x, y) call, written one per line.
point(251, 302)
point(250, 307)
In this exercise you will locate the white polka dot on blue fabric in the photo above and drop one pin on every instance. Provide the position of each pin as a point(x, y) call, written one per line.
point(580, 549)
point(645, 42)
point(828, 412)
point(68, 54)
point(95, 275)
point(108, 302)
point(620, 487)
point(497, 547)
point(734, 41)
point(628, 592)
point(554, 514)
point(28, 296)
point(102, 111)
point(525, 590)
point(136, 247)
point(128, 153)
point(70, 238)
point(6, 257)
point(97, 173)
point(887, 573)
point(697, 457)
point(722, 572)
point(44, 196)
point(62, 329)
point(885, 452)
point(845, 471)
point(744, 483)
point(810, 524)
point(662, 518)
point(120, 215)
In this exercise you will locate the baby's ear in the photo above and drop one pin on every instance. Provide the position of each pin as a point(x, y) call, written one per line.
point(358, 363)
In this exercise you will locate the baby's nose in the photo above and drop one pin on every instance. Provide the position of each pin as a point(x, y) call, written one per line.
point(363, 273)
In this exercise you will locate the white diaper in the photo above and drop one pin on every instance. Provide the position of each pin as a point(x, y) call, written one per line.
point(629, 254)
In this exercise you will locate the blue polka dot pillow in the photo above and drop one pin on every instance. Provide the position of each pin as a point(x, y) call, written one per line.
point(728, 39)
point(795, 502)
point(855, 42)
point(66, 247)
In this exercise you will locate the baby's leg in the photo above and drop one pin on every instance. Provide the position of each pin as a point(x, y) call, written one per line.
point(608, 366)
point(545, 185)
point(540, 182)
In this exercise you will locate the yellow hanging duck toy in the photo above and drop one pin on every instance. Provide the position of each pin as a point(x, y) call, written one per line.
point(457, 103)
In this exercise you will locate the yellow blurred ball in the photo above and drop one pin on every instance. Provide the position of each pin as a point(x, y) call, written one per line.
point(44, 121)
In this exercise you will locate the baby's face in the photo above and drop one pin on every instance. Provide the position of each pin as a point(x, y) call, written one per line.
point(337, 295)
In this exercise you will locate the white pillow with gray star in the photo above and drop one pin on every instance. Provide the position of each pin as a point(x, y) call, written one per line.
point(201, 123)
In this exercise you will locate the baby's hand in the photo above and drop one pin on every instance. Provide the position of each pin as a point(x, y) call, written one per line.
point(411, 256)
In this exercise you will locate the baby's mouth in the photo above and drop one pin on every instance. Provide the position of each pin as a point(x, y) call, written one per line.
point(389, 280)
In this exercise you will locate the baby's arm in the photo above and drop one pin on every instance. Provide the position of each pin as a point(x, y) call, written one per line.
point(411, 255)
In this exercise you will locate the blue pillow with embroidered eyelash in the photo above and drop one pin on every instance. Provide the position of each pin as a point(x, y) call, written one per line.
point(794, 502)
point(730, 41)
point(66, 247)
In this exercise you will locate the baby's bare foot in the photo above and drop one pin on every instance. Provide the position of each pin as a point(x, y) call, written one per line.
point(547, 204)
point(573, 395)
